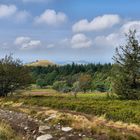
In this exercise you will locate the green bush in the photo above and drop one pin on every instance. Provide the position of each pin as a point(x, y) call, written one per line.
point(61, 86)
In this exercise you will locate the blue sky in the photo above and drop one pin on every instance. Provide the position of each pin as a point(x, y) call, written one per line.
point(66, 30)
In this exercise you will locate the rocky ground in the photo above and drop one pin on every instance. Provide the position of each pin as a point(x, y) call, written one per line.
point(47, 124)
point(21, 123)
point(33, 129)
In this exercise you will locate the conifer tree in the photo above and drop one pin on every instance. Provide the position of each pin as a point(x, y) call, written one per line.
point(126, 70)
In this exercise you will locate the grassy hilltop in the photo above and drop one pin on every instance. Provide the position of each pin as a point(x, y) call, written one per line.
point(42, 63)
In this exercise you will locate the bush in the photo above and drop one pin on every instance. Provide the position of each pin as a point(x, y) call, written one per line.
point(41, 83)
point(61, 86)
point(100, 86)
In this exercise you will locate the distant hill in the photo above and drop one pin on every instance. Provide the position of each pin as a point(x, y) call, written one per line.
point(43, 63)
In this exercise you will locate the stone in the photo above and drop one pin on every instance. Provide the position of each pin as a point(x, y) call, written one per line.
point(62, 138)
point(43, 128)
point(44, 137)
point(66, 129)
point(80, 135)
point(57, 127)
point(52, 116)
point(26, 128)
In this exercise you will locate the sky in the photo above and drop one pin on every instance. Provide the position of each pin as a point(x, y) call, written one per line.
point(66, 30)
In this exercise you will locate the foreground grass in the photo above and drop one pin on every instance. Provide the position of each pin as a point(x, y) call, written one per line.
point(6, 132)
point(95, 104)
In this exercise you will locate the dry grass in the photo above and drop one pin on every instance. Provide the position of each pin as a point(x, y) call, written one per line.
point(6, 132)
point(43, 63)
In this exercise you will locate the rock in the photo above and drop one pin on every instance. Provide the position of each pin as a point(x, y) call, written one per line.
point(80, 135)
point(36, 120)
point(66, 129)
point(45, 137)
point(71, 135)
point(57, 127)
point(62, 138)
point(26, 128)
point(52, 116)
point(43, 128)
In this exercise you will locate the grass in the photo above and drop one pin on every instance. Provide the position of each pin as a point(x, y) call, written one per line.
point(43, 63)
point(95, 104)
point(6, 132)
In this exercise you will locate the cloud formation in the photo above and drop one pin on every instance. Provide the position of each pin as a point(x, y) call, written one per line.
point(111, 40)
point(27, 43)
point(131, 25)
point(117, 38)
point(98, 23)
point(7, 10)
point(51, 17)
point(80, 41)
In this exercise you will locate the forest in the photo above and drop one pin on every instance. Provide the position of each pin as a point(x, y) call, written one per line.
point(92, 76)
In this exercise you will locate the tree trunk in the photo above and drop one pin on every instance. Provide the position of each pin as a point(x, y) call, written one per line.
point(75, 95)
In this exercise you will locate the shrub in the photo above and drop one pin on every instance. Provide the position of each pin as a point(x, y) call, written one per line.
point(61, 86)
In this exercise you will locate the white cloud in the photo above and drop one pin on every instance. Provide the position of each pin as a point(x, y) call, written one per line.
point(98, 23)
point(27, 43)
point(11, 11)
point(7, 10)
point(118, 38)
point(50, 17)
point(131, 25)
point(80, 41)
point(111, 40)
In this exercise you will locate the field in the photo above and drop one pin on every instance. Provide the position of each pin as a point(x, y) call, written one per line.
point(93, 115)
point(97, 104)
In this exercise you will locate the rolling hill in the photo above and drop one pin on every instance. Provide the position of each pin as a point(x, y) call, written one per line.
point(43, 63)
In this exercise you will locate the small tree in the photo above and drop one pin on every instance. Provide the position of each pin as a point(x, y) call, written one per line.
point(126, 70)
point(76, 88)
point(85, 82)
point(13, 75)
point(61, 86)
point(41, 83)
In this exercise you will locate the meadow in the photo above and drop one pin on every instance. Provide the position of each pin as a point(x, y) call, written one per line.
point(97, 104)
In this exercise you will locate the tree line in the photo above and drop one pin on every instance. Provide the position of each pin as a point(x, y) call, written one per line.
point(122, 77)
point(64, 78)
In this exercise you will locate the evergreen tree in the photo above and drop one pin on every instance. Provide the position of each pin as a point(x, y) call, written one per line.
point(126, 70)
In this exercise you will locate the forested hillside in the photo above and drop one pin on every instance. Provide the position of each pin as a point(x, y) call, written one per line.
point(98, 76)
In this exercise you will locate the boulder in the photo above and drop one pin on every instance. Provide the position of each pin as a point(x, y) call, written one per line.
point(43, 128)
point(45, 137)
point(66, 129)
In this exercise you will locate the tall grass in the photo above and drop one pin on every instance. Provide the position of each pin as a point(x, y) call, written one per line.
point(6, 132)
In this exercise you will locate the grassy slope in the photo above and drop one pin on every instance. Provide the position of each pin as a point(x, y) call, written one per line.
point(95, 104)
point(43, 63)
